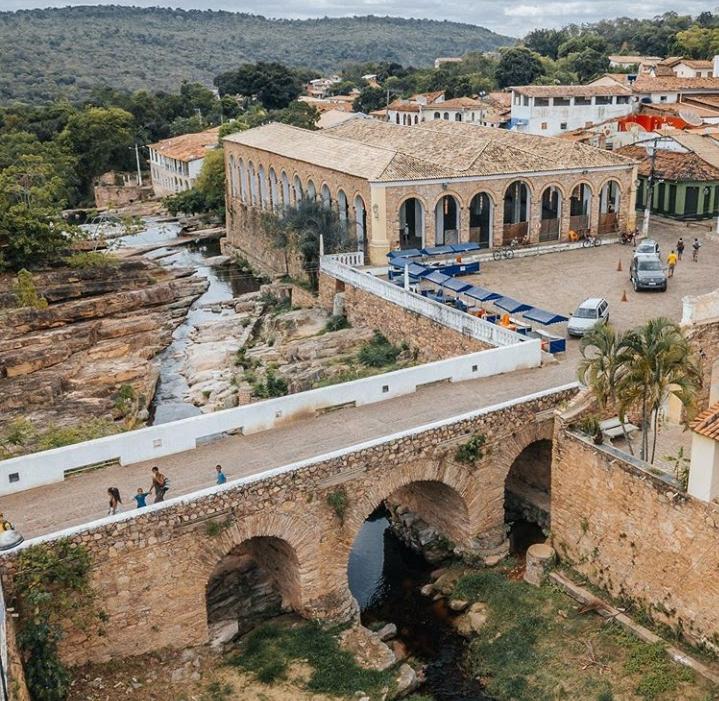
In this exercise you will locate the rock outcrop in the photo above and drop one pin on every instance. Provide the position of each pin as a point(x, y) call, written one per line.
point(101, 330)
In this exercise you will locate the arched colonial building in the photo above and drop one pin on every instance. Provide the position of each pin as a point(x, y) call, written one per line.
point(439, 182)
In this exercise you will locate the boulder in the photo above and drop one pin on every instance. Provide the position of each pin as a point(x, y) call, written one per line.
point(406, 681)
point(367, 648)
point(387, 632)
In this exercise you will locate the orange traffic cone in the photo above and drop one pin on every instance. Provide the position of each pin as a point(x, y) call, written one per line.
point(624, 296)
point(619, 266)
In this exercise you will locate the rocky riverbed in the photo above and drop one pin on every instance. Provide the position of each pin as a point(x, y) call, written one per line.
point(87, 353)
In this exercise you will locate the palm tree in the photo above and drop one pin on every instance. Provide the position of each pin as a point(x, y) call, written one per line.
point(657, 363)
point(604, 355)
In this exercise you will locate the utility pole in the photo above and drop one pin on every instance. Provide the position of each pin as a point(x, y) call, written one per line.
point(137, 160)
point(650, 190)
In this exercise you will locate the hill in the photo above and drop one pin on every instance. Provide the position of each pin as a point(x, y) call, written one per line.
point(67, 51)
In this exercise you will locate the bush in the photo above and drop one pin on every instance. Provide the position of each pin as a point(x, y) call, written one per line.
point(336, 323)
point(379, 352)
point(27, 294)
point(91, 259)
point(471, 451)
point(339, 502)
point(271, 387)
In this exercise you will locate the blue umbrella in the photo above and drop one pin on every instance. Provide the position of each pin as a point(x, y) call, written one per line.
point(480, 293)
point(456, 285)
point(437, 278)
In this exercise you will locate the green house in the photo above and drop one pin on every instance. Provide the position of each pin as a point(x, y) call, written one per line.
point(686, 175)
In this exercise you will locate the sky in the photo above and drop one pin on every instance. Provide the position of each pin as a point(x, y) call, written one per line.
point(513, 17)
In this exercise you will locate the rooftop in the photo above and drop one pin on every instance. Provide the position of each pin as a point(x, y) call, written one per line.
point(634, 59)
point(647, 84)
point(188, 147)
point(571, 90)
point(458, 103)
point(381, 151)
point(707, 423)
point(672, 165)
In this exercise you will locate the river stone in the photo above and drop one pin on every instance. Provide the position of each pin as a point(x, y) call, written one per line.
point(458, 605)
point(427, 590)
point(471, 622)
point(387, 632)
point(406, 681)
point(367, 648)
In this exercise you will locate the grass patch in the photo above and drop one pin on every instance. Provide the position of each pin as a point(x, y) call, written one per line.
point(536, 646)
point(378, 352)
point(269, 650)
point(336, 323)
point(91, 259)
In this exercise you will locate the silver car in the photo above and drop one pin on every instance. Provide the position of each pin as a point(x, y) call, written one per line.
point(590, 313)
point(647, 247)
point(648, 273)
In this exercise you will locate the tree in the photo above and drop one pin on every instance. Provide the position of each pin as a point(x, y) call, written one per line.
point(576, 44)
point(344, 87)
point(101, 139)
point(187, 125)
point(546, 41)
point(298, 114)
point(208, 194)
point(272, 84)
point(369, 100)
point(518, 66)
point(587, 64)
point(698, 42)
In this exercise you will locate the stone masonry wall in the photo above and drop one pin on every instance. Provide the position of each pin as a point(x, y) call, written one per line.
point(433, 340)
point(634, 535)
point(150, 569)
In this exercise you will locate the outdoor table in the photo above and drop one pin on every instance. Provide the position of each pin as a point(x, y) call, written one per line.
point(612, 428)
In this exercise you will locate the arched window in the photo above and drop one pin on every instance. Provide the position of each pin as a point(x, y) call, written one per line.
point(360, 223)
point(286, 197)
point(457, 116)
point(274, 189)
point(233, 176)
point(311, 191)
point(551, 214)
point(263, 188)
point(580, 209)
point(299, 194)
point(446, 116)
point(437, 115)
point(396, 117)
point(411, 224)
point(254, 194)
point(609, 200)
point(343, 208)
point(326, 197)
point(480, 219)
point(516, 212)
point(416, 119)
point(446, 219)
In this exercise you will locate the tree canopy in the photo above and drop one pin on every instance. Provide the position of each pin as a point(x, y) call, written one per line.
point(273, 85)
point(518, 66)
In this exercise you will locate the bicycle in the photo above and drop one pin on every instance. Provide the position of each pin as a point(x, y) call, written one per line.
point(507, 251)
point(589, 241)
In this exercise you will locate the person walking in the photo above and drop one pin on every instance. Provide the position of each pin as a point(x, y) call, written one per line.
point(671, 262)
point(140, 498)
point(115, 500)
point(680, 248)
point(160, 484)
point(221, 478)
point(695, 250)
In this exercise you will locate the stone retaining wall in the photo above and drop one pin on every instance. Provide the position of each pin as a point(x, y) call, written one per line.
point(636, 536)
point(151, 568)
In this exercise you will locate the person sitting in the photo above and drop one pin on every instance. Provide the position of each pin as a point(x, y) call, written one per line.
point(505, 320)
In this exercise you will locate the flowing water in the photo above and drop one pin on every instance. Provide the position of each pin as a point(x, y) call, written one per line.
point(224, 284)
point(385, 576)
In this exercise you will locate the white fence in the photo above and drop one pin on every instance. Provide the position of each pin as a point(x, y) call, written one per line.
point(27, 471)
point(452, 318)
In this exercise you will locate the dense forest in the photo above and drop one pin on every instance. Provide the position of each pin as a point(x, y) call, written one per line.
point(67, 52)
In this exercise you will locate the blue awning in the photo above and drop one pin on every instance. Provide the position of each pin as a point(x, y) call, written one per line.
point(405, 253)
point(437, 250)
point(437, 278)
point(511, 305)
point(541, 316)
point(456, 285)
point(480, 293)
point(418, 270)
point(464, 247)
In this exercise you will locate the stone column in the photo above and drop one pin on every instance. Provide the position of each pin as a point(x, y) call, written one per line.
point(565, 212)
point(594, 213)
point(535, 218)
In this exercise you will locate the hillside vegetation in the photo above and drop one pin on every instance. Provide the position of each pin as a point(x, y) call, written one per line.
point(66, 52)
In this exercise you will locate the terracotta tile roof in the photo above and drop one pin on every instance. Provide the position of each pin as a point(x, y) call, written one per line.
point(382, 151)
point(698, 65)
point(501, 99)
point(188, 147)
point(635, 59)
point(571, 90)
point(707, 423)
point(705, 147)
point(672, 165)
point(429, 96)
point(458, 103)
point(647, 84)
point(404, 106)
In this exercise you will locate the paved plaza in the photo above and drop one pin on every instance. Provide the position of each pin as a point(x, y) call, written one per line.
point(556, 282)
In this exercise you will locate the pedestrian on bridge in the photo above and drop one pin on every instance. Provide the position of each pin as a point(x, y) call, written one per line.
point(115, 500)
point(160, 484)
point(140, 497)
point(221, 477)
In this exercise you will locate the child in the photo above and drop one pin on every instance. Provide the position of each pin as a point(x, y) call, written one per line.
point(115, 500)
point(140, 498)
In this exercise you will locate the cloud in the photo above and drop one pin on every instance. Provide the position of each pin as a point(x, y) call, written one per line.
point(504, 16)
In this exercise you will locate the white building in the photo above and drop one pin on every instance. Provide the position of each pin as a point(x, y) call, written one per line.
point(549, 110)
point(447, 59)
point(636, 63)
point(429, 107)
point(175, 163)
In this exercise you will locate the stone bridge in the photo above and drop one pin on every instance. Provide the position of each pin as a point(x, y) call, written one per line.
point(152, 569)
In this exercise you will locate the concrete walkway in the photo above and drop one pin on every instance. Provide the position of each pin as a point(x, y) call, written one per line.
point(83, 497)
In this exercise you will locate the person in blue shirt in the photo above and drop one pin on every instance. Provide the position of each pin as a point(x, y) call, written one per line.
point(221, 479)
point(140, 498)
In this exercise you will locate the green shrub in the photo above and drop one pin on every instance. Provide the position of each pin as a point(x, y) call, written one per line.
point(378, 352)
point(26, 292)
point(217, 691)
point(471, 451)
point(91, 259)
point(589, 425)
point(336, 323)
point(124, 399)
point(272, 386)
point(339, 502)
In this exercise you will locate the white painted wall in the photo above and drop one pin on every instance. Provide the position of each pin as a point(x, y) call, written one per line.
point(704, 468)
point(176, 437)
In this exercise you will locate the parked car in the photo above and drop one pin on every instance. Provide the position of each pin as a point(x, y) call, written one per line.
point(648, 273)
point(590, 313)
point(647, 247)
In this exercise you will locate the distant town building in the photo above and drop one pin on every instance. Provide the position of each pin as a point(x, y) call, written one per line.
point(681, 67)
point(634, 63)
point(442, 60)
point(321, 87)
point(434, 183)
point(117, 189)
point(175, 163)
point(686, 173)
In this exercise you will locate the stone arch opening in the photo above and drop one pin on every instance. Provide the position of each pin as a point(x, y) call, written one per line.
point(580, 208)
point(343, 208)
point(446, 220)
point(411, 224)
point(264, 191)
point(326, 196)
point(274, 189)
point(480, 219)
point(233, 176)
point(551, 214)
point(257, 579)
point(243, 181)
point(254, 195)
point(527, 487)
point(311, 190)
point(609, 200)
point(286, 197)
point(360, 223)
point(299, 194)
point(516, 212)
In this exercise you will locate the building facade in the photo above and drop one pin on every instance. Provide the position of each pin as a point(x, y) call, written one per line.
point(175, 163)
point(439, 182)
